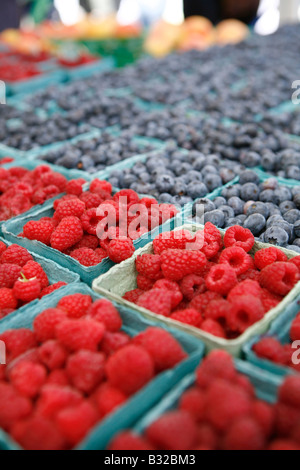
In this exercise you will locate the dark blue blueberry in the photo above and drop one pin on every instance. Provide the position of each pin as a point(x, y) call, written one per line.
point(165, 183)
point(283, 194)
point(256, 223)
point(292, 216)
point(228, 212)
point(193, 176)
point(293, 172)
point(276, 219)
point(237, 205)
point(267, 196)
point(276, 236)
point(231, 191)
point(258, 208)
point(296, 242)
point(196, 190)
point(287, 206)
point(216, 217)
point(250, 159)
point(250, 192)
point(273, 209)
point(269, 161)
point(249, 176)
point(297, 200)
point(220, 201)
point(212, 181)
point(227, 175)
point(206, 205)
point(297, 228)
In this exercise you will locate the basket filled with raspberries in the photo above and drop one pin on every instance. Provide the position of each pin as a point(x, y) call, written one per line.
point(88, 231)
point(222, 287)
point(78, 368)
point(225, 405)
point(26, 277)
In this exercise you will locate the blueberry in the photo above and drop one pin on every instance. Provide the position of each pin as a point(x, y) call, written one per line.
point(297, 228)
point(287, 206)
point(237, 205)
point(297, 242)
point(292, 216)
point(199, 163)
point(216, 217)
point(165, 198)
point(231, 191)
point(220, 201)
point(193, 176)
point(197, 190)
point(250, 192)
point(250, 159)
point(269, 161)
point(256, 223)
point(293, 172)
point(212, 181)
point(165, 183)
point(267, 196)
point(297, 200)
point(273, 209)
point(275, 220)
point(283, 194)
point(228, 212)
point(249, 176)
point(276, 236)
point(258, 208)
point(208, 170)
point(206, 205)
point(227, 175)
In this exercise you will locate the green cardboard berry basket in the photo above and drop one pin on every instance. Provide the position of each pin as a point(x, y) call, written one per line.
point(122, 278)
point(137, 406)
point(94, 68)
point(35, 83)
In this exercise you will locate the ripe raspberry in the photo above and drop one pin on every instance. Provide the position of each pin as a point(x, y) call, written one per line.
point(157, 301)
point(44, 324)
point(39, 230)
point(133, 295)
point(52, 288)
point(91, 200)
point(67, 233)
point(264, 415)
point(75, 423)
point(295, 329)
point(207, 437)
point(80, 334)
point(120, 250)
point(172, 240)
point(28, 378)
point(166, 433)
point(212, 242)
point(173, 287)
point(74, 187)
point(18, 342)
point(246, 310)
point(279, 278)
point(218, 311)
point(295, 261)
point(267, 256)
point(144, 283)
point(245, 288)
point(221, 279)
point(99, 186)
point(252, 274)
point(238, 259)
point(101, 253)
point(88, 241)
point(188, 316)
point(54, 179)
point(13, 408)
point(127, 440)
point(202, 301)
point(128, 195)
point(213, 328)
point(289, 392)
point(16, 255)
point(112, 342)
point(269, 300)
point(191, 286)
point(53, 355)
point(58, 377)
point(9, 274)
point(3, 248)
point(72, 207)
point(108, 399)
point(38, 433)
point(240, 237)
point(283, 444)
point(85, 370)
point(86, 257)
point(270, 349)
point(149, 266)
point(130, 369)
point(8, 300)
point(176, 264)
point(90, 221)
point(193, 402)
point(76, 305)
point(105, 312)
point(218, 365)
point(163, 348)
point(54, 398)
point(287, 418)
point(27, 290)
point(244, 434)
point(33, 269)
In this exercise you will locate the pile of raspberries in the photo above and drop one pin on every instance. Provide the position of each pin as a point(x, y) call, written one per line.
point(22, 279)
point(271, 349)
point(74, 227)
point(221, 412)
point(22, 189)
point(75, 368)
point(210, 283)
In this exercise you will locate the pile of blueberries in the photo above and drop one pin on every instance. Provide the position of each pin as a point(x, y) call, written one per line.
point(270, 210)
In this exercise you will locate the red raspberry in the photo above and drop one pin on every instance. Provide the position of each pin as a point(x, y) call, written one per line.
point(207, 437)
point(27, 290)
point(264, 415)
point(75, 423)
point(244, 434)
point(166, 433)
point(212, 241)
point(43, 194)
point(16, 255)
point(218, 365)
point(130, 369)
point(252, 275)
point(68, 233)
point(296, 261)
point(13, 408)
point(90, 221)
point(101, 253)
point(38, 433)
point(8, 300)
point(157, 301)
point(144, 283)
point(244, 383)
point(99, 186)
point(191, 286)
point(88, 241)
point(240, 237)
point(54, 398)
point(172, 240)
point(86, 257)
point(54, 179)
point(74, 187)
point(33, 269)
point(149, 266)
point(85, 370)
point(221, 279)
point(189, 317)
point(20, 204)
point(127, 440)
point(44, 324)
point(193, 402)
point(91, 200)
point(52, 288)
point(80, 334)
point(112, 342)
point(283, 444)
point(163, 348)
point(108, 399)
point(218, 311)
point(173, 287)
point(52, 355)
point(39, 230)
point(295, 329)
point(120, 250)
point(128, 195)
point(279, 278)
point(72, 207)
point(267, 256)
point(289, 392)
point(270, 349)
point(76, 305)
point(246, 311)
point(28, 378)
point(202, 301)
point(245, 288)
point(133, 295)
point(176, 264)
point(269, 300)
point(18, 342)
point(3, 248)
point(287, 418)
point(105, 312)
point(68, 197)
point(9, 274)
point(213, 328)
point(58, 377)
point(238, 259)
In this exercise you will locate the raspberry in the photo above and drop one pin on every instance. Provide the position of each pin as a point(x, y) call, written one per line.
point(120, 250)
point(246, 310)
point(39, 230)
point(44, 324)
point(127, 440)
point(85, 370)
point(144, 283)
point(13, 408)
point(264, 415)
point(8, 300)
point(90, 221)
point(163, 348)
point(245, 288)
point(37, 433)
point(267, 256)
point(52, 288)
point(202, 301)
point(52, 355)
point(218, 311)
point(43, 194)
point(238, 259)
point(173, 287)
point(54, 398)
point(133, 295)
point(283, 444)
point(114, 341)
point(101, 253)
point(16, 255)
point(252, 275)
point(149, 266)
point(295, 329)
point(54, 179)
point(213, 328)
point(128, 196)
point(269, 300)
point(9, 274)
point(105, 312)
point(18, 342)
point(240, 237)
point(3, 248)
point(33, 269)
point(86, 257)
point(108, 399)
point(91, 200)
point(157, 301)
point(193, 402)
point(176, 264)
point(279, 278)
point(296, 261)
point(270, 349)
point(88, 241)
point(188, 316)
point(76, 305)
point(80, 334)
point(99, 186)
point(287, 418)
point(289, 392)
point(218, 365)
point(71, 207)
point(75, 423)
point(130, 369)
point(74, 187)
point(58, 377)
point(172, 240)
point(27, 290)
point(207, 436)
point(166, 433)
point(212, 241)
point(67, 233)
point(221, 279)
point(28, 378)
point(244, 434)
point(191, 286)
